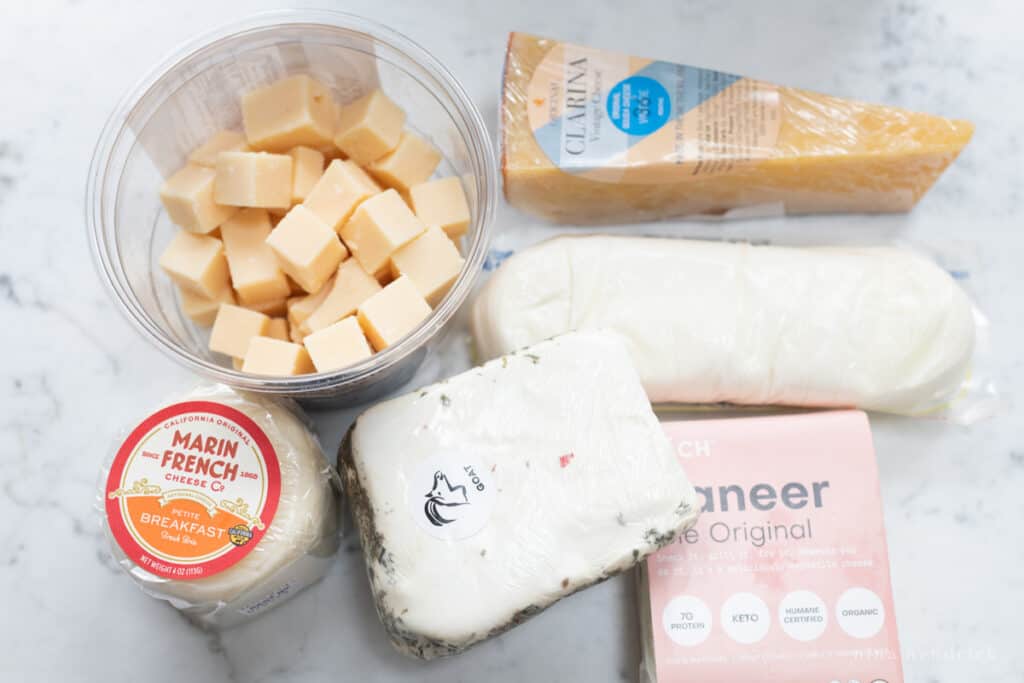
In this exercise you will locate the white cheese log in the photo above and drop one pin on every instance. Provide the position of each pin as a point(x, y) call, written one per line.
point(299, 543)
point(578, 483)
point(707, 322)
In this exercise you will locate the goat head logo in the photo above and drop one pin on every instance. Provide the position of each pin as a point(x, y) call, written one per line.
point(443, 495)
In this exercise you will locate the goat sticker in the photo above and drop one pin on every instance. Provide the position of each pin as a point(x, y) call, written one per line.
point(458, 498)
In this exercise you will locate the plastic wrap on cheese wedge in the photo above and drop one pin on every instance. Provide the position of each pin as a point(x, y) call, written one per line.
point(221, 503)
point(879, 328)
point(592, 136)
point(485, 498)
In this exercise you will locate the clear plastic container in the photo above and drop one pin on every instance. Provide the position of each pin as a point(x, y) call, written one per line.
point(194, 93)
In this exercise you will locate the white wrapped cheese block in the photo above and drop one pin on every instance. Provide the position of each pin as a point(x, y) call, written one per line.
point(223, 504)
point(483, 499)
point(706, 322)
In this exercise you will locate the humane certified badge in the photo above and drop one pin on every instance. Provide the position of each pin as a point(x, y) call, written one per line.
point(240, 534)
point(451, 496)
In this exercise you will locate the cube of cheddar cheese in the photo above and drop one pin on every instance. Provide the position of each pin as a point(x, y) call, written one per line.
point(301, 307)
point(254, 179)
point(369, 127)
point(278, 329)
point(392, 313)
point(222, 141)
point(255, 273)
point(273, 308)
point(200, 309)
point(342, 188)
point(197, 263)
point(338, 345)
point(188, 198)
point(293, 286)
point(293, 111)
point(431, 261)
point(380, 225)
point(352, 286)
point(307, 169)
point(268, 356)
point(412, 162)
point(442, 203)
point(307, 248)
point(234, 328)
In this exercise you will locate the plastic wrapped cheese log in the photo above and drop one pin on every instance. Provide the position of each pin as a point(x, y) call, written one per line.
point(877, 328)
point(223, 504)
point(593, 136)
point(485, 498)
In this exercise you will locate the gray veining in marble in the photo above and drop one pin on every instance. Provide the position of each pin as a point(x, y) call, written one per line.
point(73, 372)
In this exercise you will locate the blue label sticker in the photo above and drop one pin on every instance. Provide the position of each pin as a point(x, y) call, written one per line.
point(639, 105)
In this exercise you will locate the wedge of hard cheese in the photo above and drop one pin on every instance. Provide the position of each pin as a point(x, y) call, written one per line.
point(485, 498)
point(594, 136)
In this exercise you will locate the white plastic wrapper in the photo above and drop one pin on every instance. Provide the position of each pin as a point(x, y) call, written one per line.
point(221, 503)
point(879, 328)
point(485, 498)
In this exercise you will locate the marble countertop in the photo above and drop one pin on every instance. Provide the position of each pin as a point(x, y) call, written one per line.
point(73, 370)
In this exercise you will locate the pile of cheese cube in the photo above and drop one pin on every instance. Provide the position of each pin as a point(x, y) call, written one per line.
point(301, 268)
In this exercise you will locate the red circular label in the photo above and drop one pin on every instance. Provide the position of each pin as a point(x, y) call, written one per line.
point(192, 490)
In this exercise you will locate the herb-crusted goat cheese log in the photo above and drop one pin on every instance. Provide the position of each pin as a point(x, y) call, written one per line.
point(483, 499)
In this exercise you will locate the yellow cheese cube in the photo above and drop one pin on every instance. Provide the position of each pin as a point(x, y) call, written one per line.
point(267, 356)
point(432, 262)
point(254, 179)
point(392, 313)
point(278, 329)
point(255, 273)
point(237, 363)
point(301, 307)
point(291, 112)
point(223, 141)
point(201, 309)
point(338, 345)
point(308, 250)
point(378, 227)
point(273, 308)
point(370, 127)
point(342, 187)
point(294, 287)
point(197, 263)
point(233, 329)
point(188, 198)
point(331, 152)
point(442, 203)
point(413, 161)
point(307, 169)
point(352, 286)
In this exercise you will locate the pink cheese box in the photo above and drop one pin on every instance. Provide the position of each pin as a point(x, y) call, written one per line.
point(785, 577)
